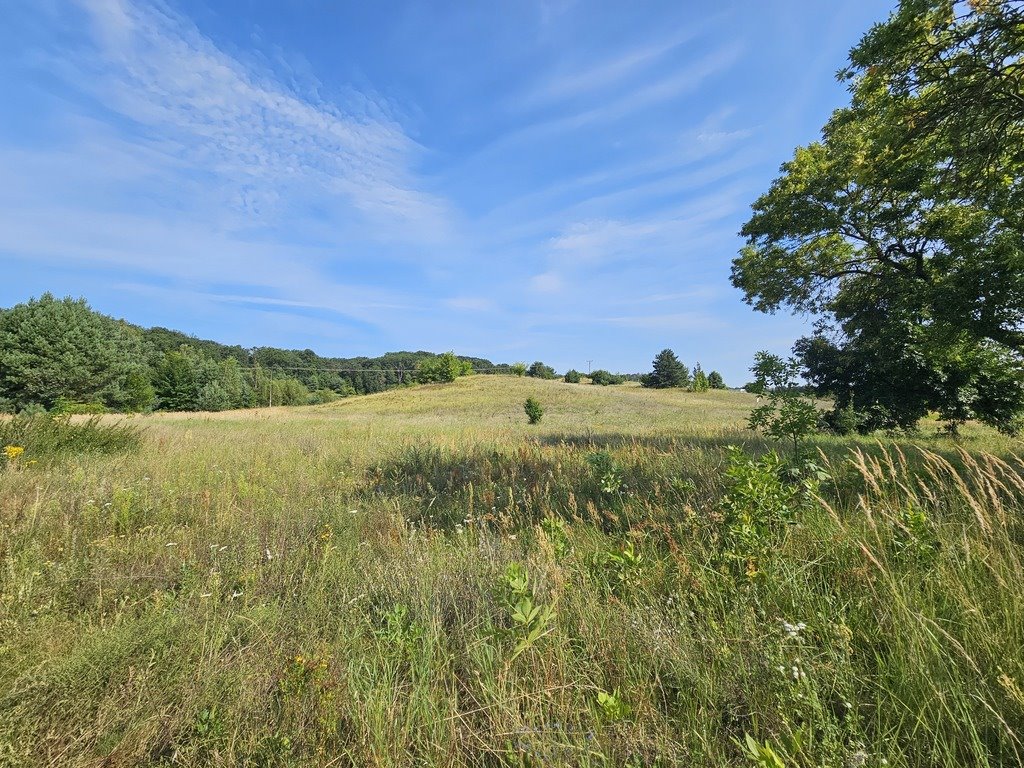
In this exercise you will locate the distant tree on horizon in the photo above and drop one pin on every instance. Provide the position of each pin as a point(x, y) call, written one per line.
point(668, 372)
point(540, 371)
point(700, 380)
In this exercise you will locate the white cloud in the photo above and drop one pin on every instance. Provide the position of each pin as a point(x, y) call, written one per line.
point(606, 73)
point(263, 141)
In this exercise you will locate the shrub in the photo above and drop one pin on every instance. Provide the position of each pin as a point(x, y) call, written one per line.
point(844, 421)
point(715, 380)
point(446, 367)
point(518, 369)
point(533, 409)
point(790, 413)
point(540, 371)
point(319, 396)
point(757, 506)
point(572, 376)
point(604, 378)
point(700, 380)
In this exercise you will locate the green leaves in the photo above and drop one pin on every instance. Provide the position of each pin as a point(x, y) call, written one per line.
point(60, 348)
point(903, 228)
point(446, 367)
point(788, 413)
point(531, 621)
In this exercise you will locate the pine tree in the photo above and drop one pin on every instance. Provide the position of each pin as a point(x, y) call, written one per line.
point(700, 380)
point(668, 372)
point(61, 349)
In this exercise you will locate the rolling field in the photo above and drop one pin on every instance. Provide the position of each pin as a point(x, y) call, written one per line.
point(421, 578)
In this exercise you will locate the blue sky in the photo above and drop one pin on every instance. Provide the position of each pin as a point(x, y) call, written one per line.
point(518, 180)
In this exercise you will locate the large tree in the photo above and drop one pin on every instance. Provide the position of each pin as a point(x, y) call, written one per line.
point(902, 229)
point(668, 372)
point(61, 350)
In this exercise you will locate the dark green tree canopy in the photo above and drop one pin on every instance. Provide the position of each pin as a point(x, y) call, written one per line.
point(603, 378)
point(668, 372)
point(60, 349)
point(541, 371)
point(901, 230)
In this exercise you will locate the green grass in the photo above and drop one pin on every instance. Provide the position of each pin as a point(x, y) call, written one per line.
point(421, 578)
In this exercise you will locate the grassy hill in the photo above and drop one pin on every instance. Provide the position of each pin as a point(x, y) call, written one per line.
point(419, 577)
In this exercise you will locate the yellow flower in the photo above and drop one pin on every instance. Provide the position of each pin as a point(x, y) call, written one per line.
point(13, 452)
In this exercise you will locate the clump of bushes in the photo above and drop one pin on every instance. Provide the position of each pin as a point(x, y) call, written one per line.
point(534, 410)
point(572, 376)
point(603, 378)
point(540, 371)
point(446, 367)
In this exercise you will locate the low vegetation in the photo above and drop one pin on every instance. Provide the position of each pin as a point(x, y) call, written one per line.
point(420, 577)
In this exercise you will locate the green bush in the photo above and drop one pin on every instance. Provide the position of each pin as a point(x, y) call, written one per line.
point(319, 396)
point(715, 380)
point(757, 506)
point(442, 368)
point(533, 409)
point(572, 376)
point(603, 378)
point(518, 369)
point(789, 413)
point(700, 380)
point(540, 371)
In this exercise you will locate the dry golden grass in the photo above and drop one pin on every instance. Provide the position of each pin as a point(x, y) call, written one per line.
point(330, 586)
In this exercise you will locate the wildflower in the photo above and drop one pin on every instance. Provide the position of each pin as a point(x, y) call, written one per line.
point(268, 554)
point(13, 452)
point(792, 631)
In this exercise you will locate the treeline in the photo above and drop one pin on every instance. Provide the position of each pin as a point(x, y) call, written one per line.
point(61, 355)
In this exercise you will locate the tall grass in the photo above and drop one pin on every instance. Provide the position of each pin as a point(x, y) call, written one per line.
point(341, 586)
point(45, 435)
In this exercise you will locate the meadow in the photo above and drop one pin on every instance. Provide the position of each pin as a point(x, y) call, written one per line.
point(421, 578)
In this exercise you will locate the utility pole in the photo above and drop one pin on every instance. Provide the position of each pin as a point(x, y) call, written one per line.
point(588, 366)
